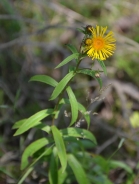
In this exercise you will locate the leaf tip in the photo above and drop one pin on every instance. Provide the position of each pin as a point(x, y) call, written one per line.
point(15, 134)
point(51, 98)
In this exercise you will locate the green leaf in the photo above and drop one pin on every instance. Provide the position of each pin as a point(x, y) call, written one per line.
point(83, 110)
point(115, 164)
point(45, 79)
point(44, 127)
point(60, 147)
point(103, 66)
point(31, 149)
point(74, 144)
point(78, 170)
point(68, 59)
point(18, 123)
point(5, 171)
point(64, 101)
point(101, 162)
point(61, 176)
point(121, 143)
point(81, 30)
point(78, 133)
point(31, 168)
point(40, 125)
point(53, 170)
point(33, 121)
point(91, 73)
point(72, 48)
point(74, 105)
point(61, 85)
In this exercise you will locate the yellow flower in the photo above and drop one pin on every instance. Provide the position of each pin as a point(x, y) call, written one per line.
point(98, 45)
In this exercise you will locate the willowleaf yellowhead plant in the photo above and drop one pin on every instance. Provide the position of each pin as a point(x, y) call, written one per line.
point(64, 149)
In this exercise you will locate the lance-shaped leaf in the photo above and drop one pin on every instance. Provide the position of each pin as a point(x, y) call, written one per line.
point(68, 59)
point(53, 170)
point(44, 127)
point(61, 85)
point(72, 48)
point(33, 121)
point(74, 105)
point(103, 66)
point(5, 171)
point(81, 30)
point(81, 108)
point(91, 73)
point(78, 133)
point(45, 79)
point(40, 125)
point(62, 176)
point(18, 124)
point(78, 170)
point(60, 147)
point(120, 164)
point(31, 149)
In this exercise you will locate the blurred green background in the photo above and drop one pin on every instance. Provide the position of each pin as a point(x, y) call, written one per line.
point(33, 38)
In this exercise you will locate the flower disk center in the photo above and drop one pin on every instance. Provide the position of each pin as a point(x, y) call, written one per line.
point(98, 43)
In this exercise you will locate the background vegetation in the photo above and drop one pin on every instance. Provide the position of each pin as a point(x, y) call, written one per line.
point(33, 35)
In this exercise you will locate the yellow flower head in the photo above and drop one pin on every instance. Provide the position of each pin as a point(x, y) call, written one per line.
point(98, 45)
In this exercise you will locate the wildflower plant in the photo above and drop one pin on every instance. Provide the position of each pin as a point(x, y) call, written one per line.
point(57, 148)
